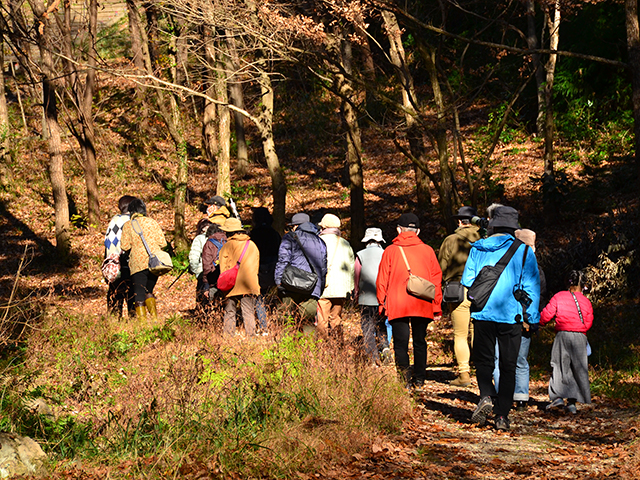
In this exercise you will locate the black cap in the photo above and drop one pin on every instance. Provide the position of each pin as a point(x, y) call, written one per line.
point(466, 212)
point(217, 200)
point(409, 220)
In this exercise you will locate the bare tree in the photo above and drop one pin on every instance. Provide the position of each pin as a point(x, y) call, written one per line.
point(49, 94)
point(633, 47)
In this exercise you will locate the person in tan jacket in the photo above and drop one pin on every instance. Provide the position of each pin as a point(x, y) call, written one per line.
point(246, 287)
point(143, 280)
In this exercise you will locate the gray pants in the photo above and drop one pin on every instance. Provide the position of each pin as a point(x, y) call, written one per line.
point(248, 308)
point(570, 376)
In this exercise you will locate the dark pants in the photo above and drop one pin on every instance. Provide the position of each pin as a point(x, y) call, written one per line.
point(143, 284)
point(374, 331)
point(402, 328)
point(508, 336)
point(120, 293)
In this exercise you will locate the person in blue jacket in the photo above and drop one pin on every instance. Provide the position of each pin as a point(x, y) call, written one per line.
point(501, 320)
point(290, 252)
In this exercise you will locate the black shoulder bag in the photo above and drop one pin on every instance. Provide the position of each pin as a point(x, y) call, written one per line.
point(296, 280)
point(480, 291)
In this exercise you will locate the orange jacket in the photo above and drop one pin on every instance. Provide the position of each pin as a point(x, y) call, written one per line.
point(391, 284)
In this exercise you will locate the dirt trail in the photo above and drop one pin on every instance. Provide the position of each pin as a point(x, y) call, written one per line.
point(440, 442)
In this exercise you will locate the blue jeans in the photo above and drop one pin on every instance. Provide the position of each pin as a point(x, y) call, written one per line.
point(521, 393)
point(261, 313)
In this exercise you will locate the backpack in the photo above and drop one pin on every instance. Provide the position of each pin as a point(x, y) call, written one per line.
point(218, 244)
point(484, 283)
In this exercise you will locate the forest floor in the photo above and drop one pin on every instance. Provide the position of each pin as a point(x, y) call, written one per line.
point(438, 441)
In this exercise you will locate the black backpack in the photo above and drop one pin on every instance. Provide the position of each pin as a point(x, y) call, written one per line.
point(481, 288)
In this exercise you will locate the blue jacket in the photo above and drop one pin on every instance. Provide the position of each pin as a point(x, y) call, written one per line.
point(315, 249)
point(502, 307)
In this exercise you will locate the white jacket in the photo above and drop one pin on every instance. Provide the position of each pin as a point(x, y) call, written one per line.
point(340, 266)
point(195, 254)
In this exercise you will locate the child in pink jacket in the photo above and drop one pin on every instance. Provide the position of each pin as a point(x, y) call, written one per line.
point(573, 314)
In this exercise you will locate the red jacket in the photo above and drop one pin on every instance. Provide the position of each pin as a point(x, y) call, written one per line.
point(391, 284)
point(563, 307)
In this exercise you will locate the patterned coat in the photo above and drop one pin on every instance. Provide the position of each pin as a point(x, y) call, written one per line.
point(139, 259)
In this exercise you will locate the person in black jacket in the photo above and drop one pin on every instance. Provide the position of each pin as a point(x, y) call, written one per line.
point(267, 239)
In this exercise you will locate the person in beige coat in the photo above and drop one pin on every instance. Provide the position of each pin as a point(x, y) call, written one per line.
point(247, 287)
point(143, 280)
point(340, 278)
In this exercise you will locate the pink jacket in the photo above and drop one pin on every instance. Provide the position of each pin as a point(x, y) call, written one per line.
point(563, 308)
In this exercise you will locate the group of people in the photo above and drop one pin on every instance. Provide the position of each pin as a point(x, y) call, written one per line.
point(496, 329)
point(501, 326)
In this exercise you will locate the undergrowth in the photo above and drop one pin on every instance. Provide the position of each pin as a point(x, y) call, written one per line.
point(183, 398)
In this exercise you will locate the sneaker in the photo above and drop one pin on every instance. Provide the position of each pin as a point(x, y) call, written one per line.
point(385, 355)
point(521, 406)
point(571, 408)
point(558, 402)
point(502, 423)
point(482, 411)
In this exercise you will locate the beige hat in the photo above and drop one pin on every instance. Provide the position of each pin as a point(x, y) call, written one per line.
point(528, 237)
point(373, 234)
point(330, 221)
point(232, 225)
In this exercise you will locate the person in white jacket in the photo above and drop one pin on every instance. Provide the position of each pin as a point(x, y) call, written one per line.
point(195, 260)
point(340, 278)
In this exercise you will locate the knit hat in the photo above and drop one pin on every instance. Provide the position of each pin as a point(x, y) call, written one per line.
point(466, 212)
point(528, 237)
point(329, 221)
point(506, 217)
point(410, 220)
point(232, 225)
point(299, 219)
point(373, 234)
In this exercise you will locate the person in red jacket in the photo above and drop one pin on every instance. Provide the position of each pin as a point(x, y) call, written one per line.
point(574, 316)
point(408, 314)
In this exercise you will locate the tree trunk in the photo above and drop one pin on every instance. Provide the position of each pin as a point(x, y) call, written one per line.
point(56, 163)
point(138, 53)
point(88, 129)
point(210, 112)
point(414, 132)
point(237, 98)
point(633, 47)
point(446, 178)
point(182, 177)
point(265, 125)
point(354, 145)
point(5, 170)
point(554, 37)
point(223, 156)
point(532, 44)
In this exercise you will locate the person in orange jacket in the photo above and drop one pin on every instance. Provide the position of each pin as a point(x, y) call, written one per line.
point(408, 314)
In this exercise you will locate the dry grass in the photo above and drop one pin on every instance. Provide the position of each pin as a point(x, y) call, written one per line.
point(259, 407)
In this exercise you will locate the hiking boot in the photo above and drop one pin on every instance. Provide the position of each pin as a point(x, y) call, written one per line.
point(150, 302)
point(141, 311)
point(521, 406)
point(463, 380)
point(502, 423)
point(558, 402)
point(482, 411)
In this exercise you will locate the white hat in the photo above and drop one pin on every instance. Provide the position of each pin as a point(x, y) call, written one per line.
point(528, 237)
point(330, 221)
point(373, 234)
